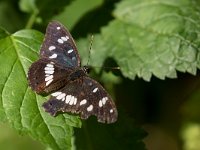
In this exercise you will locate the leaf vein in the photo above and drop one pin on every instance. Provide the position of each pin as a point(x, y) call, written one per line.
point(27, 46)
point(5, 84)
point(20, 109)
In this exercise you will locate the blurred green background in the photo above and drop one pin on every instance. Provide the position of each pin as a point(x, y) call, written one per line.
point(160, 114)
point(11, 140)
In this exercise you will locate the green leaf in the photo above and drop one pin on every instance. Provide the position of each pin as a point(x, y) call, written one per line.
point(19, 104)
point(151, 38)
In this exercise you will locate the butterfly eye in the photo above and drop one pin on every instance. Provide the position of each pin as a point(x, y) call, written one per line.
point(87, 69)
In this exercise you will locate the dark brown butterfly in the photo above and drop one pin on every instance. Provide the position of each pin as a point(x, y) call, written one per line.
point(59, 72)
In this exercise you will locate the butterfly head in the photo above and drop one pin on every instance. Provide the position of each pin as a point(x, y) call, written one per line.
point(86, 69)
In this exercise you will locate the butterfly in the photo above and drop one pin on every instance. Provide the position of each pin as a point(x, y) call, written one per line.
point(58, 72)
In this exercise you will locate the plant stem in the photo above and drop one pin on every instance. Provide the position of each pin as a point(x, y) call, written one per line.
point(31, 20)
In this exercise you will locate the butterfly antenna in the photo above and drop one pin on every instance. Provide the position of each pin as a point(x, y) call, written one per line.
point(111, 68)
point(89, 56)
point(90, 48)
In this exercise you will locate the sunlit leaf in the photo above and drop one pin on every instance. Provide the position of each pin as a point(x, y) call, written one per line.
point(20, 105)
point(151, 38)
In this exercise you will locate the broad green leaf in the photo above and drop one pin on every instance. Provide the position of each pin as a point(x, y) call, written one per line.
point(3, 34)
point(20, 105)
point(164, 38)
point(151, 37)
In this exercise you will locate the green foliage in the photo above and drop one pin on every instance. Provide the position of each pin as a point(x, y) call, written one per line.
point(142, 37)
point(156, 37)
point(18, 103)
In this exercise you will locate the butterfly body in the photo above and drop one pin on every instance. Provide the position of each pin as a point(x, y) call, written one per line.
point(78, 73)
point(58, 72)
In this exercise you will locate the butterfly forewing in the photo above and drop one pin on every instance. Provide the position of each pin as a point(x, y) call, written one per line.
point(59, 46)
point(45, 76)
point(84, 96)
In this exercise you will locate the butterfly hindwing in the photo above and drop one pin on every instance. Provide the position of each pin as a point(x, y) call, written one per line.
point(59, 46)
point(84, 96)
point(45, 76)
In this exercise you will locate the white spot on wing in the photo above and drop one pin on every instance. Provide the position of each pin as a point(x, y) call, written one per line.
point(56, 93)
point(61, 96)
point(53, 56)
point(50, 65)
point(67, 100)
point(52, 48)
point(95, 90)
point(48, 82)
point(69, 51)
point(83, 102)
point(90, 108)
point(75, 101)
point(100, 103)
point(48, 68)
point(49, 71)
point(72, 100)
point(64, 38)
point(104, 100)
point(67, 37)
point(60, 41)
point(111, 110)
point(49, 78)
point(58, 28)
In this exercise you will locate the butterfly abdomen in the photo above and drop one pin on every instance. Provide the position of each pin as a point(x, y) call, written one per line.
point(76, 74)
